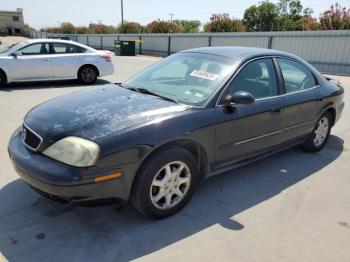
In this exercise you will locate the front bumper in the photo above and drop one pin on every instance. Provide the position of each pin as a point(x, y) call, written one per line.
point(60, 181)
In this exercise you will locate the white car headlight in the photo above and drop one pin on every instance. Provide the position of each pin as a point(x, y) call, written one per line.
point(74, 151)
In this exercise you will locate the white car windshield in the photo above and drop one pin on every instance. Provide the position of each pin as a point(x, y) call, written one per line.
point(11, 48)
point(189, 78)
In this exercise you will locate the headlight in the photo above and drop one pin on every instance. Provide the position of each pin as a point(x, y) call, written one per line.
point(74, 151)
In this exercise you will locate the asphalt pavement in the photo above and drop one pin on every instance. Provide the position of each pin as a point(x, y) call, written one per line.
point(293, 206)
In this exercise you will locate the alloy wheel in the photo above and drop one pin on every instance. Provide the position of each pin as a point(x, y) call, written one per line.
point(88, 75)
point(321, 131)
point(170, 185)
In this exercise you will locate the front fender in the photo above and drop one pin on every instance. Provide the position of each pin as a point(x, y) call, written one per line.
point(135, 145)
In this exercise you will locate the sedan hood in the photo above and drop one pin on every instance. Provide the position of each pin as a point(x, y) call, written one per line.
point(97, 112)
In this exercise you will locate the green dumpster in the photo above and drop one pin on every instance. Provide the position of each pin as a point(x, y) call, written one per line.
point(124, 48)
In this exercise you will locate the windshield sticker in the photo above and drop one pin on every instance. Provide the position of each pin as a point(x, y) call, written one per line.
point(205, 75)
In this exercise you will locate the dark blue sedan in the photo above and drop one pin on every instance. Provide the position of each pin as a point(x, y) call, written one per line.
point(154, 138)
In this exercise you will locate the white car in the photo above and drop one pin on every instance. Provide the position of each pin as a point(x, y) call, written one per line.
point(53, 59)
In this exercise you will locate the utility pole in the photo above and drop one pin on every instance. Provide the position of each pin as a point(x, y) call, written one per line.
point(171, 17)
point(121, 3)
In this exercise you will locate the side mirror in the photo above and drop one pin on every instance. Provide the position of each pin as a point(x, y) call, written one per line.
point(17, 53)
point(240, 97)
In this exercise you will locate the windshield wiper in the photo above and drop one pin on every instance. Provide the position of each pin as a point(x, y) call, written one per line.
point(148, 92)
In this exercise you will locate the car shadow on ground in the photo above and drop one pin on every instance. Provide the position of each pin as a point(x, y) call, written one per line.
point(33, 228)
point(48, 84)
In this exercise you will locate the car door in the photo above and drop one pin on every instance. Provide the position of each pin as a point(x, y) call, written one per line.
point(32, 63)
point(301, 102)
point(64, 60)
point(246, 130)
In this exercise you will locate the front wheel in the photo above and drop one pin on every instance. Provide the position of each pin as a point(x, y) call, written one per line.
point(319, 136)
point(87, 75)
point(165, 183)
point(2, 79)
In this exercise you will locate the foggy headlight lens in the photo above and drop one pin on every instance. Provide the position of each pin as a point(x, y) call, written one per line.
point(74, 151)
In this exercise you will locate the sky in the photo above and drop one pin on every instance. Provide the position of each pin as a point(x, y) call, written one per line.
point(43, 13)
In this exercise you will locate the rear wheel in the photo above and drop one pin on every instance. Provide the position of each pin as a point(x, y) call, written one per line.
point(88, 75)
point(319, 136)
point(165, 183)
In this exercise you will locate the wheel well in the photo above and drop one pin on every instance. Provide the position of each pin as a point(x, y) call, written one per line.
point(333, 114)
point(3, 72)
point(194, 148)
point(98, 72)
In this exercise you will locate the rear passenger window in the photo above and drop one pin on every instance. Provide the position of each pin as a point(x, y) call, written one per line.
point(257, 78)
point(296, 76)
point(61, 48)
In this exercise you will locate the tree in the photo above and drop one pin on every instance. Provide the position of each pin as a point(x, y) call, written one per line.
point(290, 7)
point(188, 26)
point(160, 26)
point(310, 24)
point(67, 28)
point(286, 15)
point(223, 23)
point(102, 29)
point(293, 15)
point(263, 17)
point(82, 30)
point(335, 18)
point(130, 28)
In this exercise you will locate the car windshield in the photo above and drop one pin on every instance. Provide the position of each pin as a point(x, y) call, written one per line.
point(10, 48)
point(189, 78)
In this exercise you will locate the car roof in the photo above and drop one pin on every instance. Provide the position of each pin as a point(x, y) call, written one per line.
point(237, 52)
point(47, 40)
point(52, 40)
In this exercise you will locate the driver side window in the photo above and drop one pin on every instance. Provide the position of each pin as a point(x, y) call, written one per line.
point(296, 76)
point(36, 49)
point(257, 78)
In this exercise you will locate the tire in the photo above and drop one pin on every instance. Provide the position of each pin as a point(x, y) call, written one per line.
point(2, 79)
point(154, 186)
point(87, 75)
point(320, 134)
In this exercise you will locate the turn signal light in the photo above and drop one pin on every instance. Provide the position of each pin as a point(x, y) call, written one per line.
point(107, 177)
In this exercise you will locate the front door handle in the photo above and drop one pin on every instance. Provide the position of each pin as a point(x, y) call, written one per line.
point(276, 110)
point(46, 59)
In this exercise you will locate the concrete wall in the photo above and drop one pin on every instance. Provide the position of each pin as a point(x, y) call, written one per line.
point(8, 22)
point(328, 51)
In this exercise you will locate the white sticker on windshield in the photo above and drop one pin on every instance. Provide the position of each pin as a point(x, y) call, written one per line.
point(205, 75)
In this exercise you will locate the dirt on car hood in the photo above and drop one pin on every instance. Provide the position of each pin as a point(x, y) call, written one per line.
point(97, 112)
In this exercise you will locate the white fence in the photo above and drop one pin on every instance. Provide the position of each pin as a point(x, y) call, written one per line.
point(328, 51)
